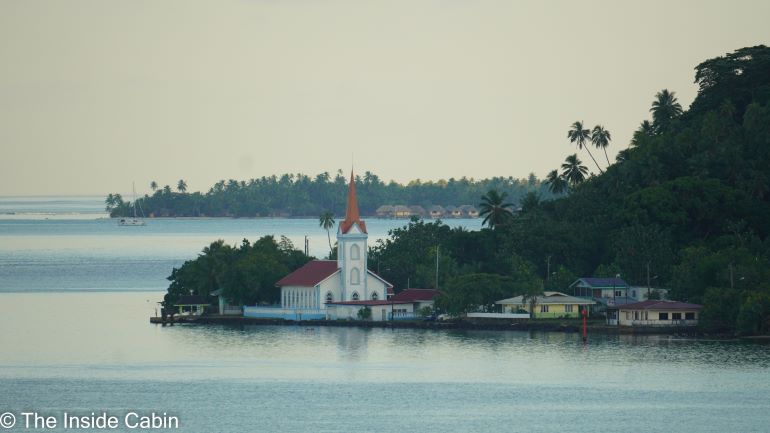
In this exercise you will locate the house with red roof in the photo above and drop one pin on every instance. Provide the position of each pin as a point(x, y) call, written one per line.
point(420, 298)
point(656, 313)
point(323, 288)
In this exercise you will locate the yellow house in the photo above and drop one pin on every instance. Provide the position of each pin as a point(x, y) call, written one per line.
point(548, 305)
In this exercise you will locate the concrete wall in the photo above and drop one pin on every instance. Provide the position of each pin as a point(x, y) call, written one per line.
point(374, 284)
point(497, 316)
point(283, 313)
point(350, 312)
point(331, 285)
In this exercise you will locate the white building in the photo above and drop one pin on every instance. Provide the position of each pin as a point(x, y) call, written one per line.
point(659, 313)
point(311, 290)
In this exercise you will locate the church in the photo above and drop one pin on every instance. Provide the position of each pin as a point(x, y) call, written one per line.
point(336, 289)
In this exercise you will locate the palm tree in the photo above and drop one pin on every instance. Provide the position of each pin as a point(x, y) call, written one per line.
point(153, 186)
point(665, 108)
point(601, 138)
point(645, 130)
point(326, 220)
point(580, 136)
point(556, 182)
point(494, 209)
point(181, 186)
point(573, 171)
point(529, 202)
point(623, 156)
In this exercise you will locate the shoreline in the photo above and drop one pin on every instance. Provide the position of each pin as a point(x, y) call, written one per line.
point(483, 325)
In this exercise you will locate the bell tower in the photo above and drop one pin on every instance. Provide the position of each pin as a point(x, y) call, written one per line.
point(351, 249)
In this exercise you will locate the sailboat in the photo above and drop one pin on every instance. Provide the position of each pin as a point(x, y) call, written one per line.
point(135, 221)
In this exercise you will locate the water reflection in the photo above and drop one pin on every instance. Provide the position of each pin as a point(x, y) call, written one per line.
point(103, 334)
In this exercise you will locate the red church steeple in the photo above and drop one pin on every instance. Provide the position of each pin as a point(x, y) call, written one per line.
point(351, 213)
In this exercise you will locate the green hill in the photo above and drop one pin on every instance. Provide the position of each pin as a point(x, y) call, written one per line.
point(689, 200)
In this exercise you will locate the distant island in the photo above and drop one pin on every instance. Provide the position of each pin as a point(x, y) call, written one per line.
point(298, 195)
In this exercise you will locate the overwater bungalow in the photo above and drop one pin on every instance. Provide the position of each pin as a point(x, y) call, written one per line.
point(416, 210)
point(469, 211)
point(401, 211)
point(436, 211)
point(385, 211)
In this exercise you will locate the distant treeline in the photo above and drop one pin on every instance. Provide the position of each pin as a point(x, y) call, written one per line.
point(300, 195)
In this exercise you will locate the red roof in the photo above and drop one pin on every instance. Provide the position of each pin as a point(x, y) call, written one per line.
point(368, 303)
point(416, 295)
point(351, 213)
point(660, 305)
point(309, 275)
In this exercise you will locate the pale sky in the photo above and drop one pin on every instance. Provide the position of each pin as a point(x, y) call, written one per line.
point(97, 94)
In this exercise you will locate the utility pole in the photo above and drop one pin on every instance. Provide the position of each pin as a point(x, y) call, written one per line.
point(648, 280)
point(547, 268)
point(732, 283)
point(437, 251)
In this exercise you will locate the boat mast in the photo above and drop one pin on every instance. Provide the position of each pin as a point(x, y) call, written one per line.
point(133, 186)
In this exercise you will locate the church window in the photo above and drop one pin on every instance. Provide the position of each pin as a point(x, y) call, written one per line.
point(375, 296)
point(329, 297)
point(355, 252)
point(355, 276)
point(355, 296)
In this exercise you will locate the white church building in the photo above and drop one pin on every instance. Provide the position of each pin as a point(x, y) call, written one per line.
point(335, 289)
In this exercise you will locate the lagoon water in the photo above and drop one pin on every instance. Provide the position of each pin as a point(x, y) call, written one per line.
point(75, 337)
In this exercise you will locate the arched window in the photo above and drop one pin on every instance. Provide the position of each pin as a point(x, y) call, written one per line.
point(355, 252)
point(355, 276)
point(355, 296)
point(375, 296)
point(329, 297)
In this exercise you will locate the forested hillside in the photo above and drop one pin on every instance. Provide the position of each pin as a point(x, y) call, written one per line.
point(685, 207)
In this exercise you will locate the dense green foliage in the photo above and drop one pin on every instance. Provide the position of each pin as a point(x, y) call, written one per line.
point(301, 195)
point(246, 273)
point(475, 269)
point(687, 206)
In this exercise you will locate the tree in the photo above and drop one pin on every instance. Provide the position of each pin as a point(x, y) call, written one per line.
point(475, 292)
point(644, 132)
point(601, 138)
point(665, 108)
point(181, 186)
point(154, 186)
point(529, 202)
point(580, 136)
point(556, 182)
point(494, 209)
point(326, 221)
point(573, 170)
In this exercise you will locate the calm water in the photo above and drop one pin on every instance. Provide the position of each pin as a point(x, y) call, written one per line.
point(63, 349)
point(68, 243)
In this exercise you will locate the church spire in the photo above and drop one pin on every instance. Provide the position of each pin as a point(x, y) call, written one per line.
point(351, 213)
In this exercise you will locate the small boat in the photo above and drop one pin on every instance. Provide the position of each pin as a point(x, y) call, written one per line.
point(135, 221)
point(131, 222)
